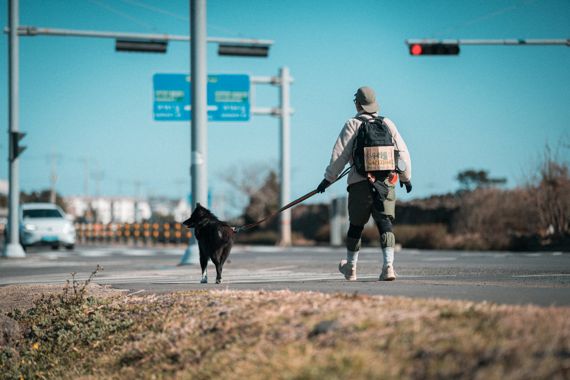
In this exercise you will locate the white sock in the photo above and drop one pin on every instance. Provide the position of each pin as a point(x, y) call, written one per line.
point(388, 256)
point(351, 257)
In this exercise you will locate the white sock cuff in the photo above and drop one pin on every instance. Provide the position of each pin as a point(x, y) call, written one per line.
point(351, 256)
point(388, 256)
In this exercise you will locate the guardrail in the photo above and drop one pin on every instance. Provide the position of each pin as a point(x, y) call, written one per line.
point(132, 233)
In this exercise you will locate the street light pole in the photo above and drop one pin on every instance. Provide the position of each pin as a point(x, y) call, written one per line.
point(12, 247)
point(285, 159)
point(199, 119)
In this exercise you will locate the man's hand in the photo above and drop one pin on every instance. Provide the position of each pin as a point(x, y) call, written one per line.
point(408, 186)
point(323, 185)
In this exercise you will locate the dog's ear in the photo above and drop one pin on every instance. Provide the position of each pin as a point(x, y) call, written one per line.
point(198, 205)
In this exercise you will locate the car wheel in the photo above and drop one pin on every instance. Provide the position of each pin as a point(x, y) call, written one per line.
point(55, 247)
point(69, 247)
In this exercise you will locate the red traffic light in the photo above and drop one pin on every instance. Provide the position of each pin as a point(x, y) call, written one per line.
point(430, 48)
point(416, 49)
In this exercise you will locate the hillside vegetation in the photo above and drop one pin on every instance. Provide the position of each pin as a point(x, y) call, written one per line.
point(278, 335)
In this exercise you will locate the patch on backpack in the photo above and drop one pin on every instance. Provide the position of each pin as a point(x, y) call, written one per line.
point(378, 158)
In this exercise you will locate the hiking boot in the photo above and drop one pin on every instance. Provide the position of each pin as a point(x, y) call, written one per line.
point(348, 270)
point(388, 274)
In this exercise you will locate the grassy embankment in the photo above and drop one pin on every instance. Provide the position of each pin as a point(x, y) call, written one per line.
point(278, 335)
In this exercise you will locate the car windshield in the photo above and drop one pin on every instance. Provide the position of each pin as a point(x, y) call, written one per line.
point(42, 213)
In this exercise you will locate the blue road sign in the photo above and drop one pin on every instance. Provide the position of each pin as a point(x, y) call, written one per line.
point(228, 97)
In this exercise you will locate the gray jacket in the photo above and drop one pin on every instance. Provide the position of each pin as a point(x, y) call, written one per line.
point(342, 151)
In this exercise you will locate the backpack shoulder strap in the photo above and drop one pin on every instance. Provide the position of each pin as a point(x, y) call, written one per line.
point(363, 118)
point(381, 118)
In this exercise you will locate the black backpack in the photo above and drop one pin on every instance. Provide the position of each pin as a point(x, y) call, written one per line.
point(372, 133)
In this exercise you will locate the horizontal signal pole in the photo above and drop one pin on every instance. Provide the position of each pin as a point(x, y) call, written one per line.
point(520, 41)
point(32, 31)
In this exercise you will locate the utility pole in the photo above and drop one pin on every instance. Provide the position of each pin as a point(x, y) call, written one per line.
point(53, 176)
point(199, 120)
point(85, 161)
point(283, 112)
point(98, 177)
point(285, 148)
point(137, 184)
point(12, 247)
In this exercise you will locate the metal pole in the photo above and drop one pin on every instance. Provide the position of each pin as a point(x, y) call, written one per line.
point(53, 177)
point(285, 159)
point(32, 31)
point(517, 41)
point(199, 122)
point(12, 247)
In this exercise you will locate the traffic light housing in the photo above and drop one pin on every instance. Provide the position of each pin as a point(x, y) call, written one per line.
point(243, 50)
point(417, 49)
point(141, 46)
point(15, 149)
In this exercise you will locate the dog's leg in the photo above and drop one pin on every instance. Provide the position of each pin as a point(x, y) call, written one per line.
point(218, 263)
point(223, 255)
point(218, 273)
point(204, 266)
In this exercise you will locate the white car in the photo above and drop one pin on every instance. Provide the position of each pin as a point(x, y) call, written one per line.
point(46, 224)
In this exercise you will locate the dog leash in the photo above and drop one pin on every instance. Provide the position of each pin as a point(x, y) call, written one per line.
point(287, 206)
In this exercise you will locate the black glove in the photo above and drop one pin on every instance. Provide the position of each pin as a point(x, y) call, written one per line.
point(408, 186)
point(323, 185)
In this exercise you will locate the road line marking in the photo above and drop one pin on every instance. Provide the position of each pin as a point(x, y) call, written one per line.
point(281, 267)
point(440, 259)
point(544, 275)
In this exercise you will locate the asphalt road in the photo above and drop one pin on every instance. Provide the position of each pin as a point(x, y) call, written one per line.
point(541, 278)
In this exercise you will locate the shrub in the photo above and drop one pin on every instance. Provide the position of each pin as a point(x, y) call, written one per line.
point(57, 329)
point(263, 237)
point(427, 236)
point(552, 197)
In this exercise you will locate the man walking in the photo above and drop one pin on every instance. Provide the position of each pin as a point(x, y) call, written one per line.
point(371, 189)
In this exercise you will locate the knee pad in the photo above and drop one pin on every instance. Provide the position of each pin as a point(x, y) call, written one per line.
point(387, 239)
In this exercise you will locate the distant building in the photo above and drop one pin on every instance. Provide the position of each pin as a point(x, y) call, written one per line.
point(3, 187)
point(108, 209)
point(182, 210)
point(179, 210)
point(125, 209)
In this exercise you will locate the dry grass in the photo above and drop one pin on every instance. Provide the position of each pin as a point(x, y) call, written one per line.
point(288, 335)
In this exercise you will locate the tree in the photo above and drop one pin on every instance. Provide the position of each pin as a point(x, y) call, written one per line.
point(42, 196)
point(471, 179)
point(264, 201)
point(552, 195)
point(251, 183)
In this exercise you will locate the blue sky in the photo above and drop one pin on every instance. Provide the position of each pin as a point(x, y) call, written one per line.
point(491, 107)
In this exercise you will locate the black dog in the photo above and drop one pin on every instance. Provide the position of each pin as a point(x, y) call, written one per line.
point(215, 240)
